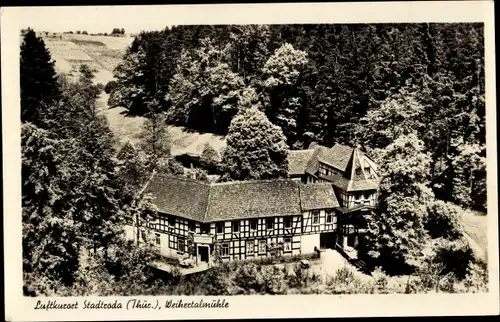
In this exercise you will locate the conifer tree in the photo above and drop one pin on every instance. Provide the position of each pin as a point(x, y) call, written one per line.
point(39, 84)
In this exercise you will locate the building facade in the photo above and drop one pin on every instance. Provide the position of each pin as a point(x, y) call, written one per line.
point(251, 219)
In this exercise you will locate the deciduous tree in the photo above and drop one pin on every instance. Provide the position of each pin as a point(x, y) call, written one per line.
point(256, 148)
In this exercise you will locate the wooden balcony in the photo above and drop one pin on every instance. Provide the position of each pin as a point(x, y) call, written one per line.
point(356, 207)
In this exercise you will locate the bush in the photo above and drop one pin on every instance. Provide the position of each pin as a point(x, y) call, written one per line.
point(110, 86)
point(345, 282)
point(116, 99)
point(210, 159)
point(175, 167)
point(274, 280)
point(442, 220)
point(248, 276)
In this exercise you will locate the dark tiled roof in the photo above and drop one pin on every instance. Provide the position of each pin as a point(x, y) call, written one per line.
point(350, 185)
point(251, 199)
point(312, 166)
point(338, 156)
point(179, 196)
point(204, 202)
point(317, 196)
point(298, 160)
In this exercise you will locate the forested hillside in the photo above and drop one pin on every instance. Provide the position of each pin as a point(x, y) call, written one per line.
point(350, 84)
point(411, 95)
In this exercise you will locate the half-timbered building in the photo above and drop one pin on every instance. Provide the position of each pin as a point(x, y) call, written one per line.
point(353, 176)
point(314, 209)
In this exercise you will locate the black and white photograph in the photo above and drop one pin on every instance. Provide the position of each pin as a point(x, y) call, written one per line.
point(234, 160)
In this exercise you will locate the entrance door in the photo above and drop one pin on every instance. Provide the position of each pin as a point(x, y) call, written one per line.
point(203, 251)
point(327, 240)
point(323, 241)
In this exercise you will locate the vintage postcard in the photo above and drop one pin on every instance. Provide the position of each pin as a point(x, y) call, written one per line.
point(249, 161)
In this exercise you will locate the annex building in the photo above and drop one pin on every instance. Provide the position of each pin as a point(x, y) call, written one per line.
point(317, 207)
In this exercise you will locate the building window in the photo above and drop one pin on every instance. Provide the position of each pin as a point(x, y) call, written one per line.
point(367, 170)
point(171, 222)
point(288, 222)
point(192, 226)
point(249, 246)
point(287, 244)
point(157, 239)
point(163, 224)
point(357, 195)
point(219, 227)
point(180, 242)
point(205, 228)
point(225, 249)
point(253, 224)
point(367, 195)
point(359, 171)
point(172, 242)
point(329, 216)
point(236, 226)
point(262, 247)
point(269, 223)
point(315, 217)
point(143, 235)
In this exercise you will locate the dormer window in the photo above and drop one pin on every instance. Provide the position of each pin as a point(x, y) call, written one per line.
point(367, 170)
point(359, 171)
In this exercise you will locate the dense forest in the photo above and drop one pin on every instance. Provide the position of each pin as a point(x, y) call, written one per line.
point(411, 95)
point(349, 84)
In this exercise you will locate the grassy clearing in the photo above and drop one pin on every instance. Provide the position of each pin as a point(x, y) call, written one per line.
point(104, 53)
point(128, 128)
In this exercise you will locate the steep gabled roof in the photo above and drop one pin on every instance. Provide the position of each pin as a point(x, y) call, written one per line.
point(298, 160)
point(337, 156)
point(204, 202)
point(179, 196)
point(344, 158)
point(355, 174)
point(317, 196)
point(253, 199)
point(312, 166)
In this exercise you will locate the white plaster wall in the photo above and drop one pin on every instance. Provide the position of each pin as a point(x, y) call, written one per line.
point(129, 232)
point(164, 250)
point(308, 242)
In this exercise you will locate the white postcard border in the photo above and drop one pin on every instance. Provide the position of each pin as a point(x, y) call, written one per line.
point(22, 308)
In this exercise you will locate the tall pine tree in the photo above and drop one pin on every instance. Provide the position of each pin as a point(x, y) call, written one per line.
point(39, 85)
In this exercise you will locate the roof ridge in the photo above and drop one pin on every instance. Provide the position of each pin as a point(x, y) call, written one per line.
point(169, 175)
point(238, 182)
point(205, 215)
